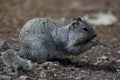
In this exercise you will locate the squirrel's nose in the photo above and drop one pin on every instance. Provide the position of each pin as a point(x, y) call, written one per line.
point(95, 35)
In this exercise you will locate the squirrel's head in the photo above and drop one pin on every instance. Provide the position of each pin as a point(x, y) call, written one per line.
point(80, 32)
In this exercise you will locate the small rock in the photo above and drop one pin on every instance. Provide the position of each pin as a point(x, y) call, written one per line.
point(25, 78)
point(82, 78)
point(4, 77)
point(109, 53)
point(78, 78)
point(56, 64)
point(118, 70)
point(43, 74)
point(99, 59)
point(86, 57)
point(104, 57)
point(118, 61)
point(48, 65)
point(96, 63)
point(55, 75)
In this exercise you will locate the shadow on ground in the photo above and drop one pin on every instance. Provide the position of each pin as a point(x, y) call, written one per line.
point(78, 64)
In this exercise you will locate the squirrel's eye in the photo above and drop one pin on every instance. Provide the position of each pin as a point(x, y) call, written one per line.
point(84, 29)
point(74, 24)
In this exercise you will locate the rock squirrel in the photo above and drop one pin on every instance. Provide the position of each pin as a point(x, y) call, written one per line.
point(13, 61)
point(42, 39)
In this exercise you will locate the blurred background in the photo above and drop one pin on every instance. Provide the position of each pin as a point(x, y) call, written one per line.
point(103, 15)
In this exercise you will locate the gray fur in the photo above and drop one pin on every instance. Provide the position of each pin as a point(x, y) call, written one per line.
point(42, 39)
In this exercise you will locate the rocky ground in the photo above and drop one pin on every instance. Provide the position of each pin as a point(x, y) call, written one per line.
point(102, 62)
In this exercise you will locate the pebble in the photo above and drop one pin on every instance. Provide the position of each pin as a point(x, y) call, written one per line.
point(43, 74)
point(86, 57)
point(109, 53)
point(118, 61)
point(55, 75)
point(118, 70)
point(22, 77)
point(99, 59)
point(82, 78)
point(78, 78)
point(48, 65)
point(4, 77)
point(104, 57)
point(96, 63)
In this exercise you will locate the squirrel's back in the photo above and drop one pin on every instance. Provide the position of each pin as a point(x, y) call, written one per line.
point(39, 25)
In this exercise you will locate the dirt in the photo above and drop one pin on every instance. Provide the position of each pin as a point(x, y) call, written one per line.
point(102, 62)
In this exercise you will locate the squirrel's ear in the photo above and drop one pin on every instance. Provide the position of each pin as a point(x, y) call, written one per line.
point(73, 25)
point(79, 19)
point(74, 19)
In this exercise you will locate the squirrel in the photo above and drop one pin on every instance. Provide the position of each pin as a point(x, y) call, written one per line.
point(42, 39)
point(13, 61)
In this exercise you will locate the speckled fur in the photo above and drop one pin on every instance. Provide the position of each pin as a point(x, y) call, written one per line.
point(42, 39)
